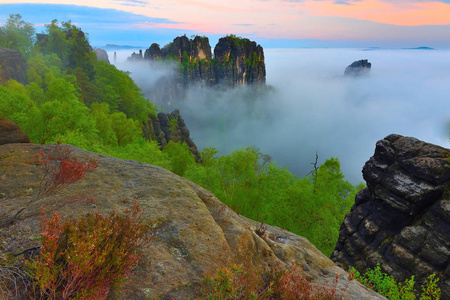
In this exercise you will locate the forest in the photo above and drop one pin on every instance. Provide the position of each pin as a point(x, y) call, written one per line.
point(70, 97)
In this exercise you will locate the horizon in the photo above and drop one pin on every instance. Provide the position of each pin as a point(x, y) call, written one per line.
point(271, 23)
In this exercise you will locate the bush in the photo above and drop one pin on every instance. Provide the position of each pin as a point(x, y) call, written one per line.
point(235, 282)
point(387, 286)
point(84, 258)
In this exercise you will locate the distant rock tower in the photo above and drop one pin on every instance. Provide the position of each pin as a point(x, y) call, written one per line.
point(358, 68)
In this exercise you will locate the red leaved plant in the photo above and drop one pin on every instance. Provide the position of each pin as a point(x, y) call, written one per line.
point(60, 170)
point(236, 283)
point(84, 258)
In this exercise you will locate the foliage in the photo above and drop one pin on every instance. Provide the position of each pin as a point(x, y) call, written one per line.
point(234, 283)
point(84, 258)
point(19, 108)
point(387, 286)
point(61, 169)
point(73, 98)
point(17, 34)
point(180, 157)
point(430, 291)
point(257, 188)
point(238, 41)
point(237, 282)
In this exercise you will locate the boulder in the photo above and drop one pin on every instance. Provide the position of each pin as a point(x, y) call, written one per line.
point(358, 68)
point(10, 132)
point(193, 232)
point(102, 55)
point(402, 219)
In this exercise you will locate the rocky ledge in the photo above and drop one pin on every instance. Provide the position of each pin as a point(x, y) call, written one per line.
point(402, 219)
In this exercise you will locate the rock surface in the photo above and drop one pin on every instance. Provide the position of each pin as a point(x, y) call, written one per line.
point(102, 55)
point(12, 66)
point(10, 132)
point(167, 127)
point(358, 68)
point(236, 62)
point(193, 232)
point(402, 219)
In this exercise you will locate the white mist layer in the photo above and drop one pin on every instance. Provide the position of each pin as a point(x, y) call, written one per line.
point(312, 107)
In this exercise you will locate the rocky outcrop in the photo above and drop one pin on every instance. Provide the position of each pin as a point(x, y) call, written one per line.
point(10, 132)
point(193, 232)
point(402, 219)
point(102, 55)
point(12, 66)
point(183, 48)
point(236, 62)
point(358, 68)
point(242, 59)
point(167, 127)
point(153, 53)
point(136, 56)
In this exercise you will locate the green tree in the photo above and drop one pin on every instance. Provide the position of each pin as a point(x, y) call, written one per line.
point(126, 130)
point(63, 117)
point(17, 34)
point(19, 108)
point(180, 157)
point(104, 123)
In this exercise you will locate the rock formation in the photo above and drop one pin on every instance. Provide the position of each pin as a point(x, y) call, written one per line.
point(12, 66)
point(402, 219)
point(358, 68)
point(10, 132)
point(193, 232)
point(102, 55)
point(167, 127)
point(236, 62)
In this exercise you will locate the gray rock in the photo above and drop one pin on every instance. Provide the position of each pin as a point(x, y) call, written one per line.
point(406, 207)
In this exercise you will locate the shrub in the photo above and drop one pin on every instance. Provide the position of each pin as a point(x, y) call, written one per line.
point(387, 286)
point(84, 258)
point(293, 286)
point(60, 169)
point(235, 282)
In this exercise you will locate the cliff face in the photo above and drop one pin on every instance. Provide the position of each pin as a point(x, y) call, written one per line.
point(193, 232)
point(167, 127)
point(242, 61)
point(236, 62)
point(402, 218)
point(12, 66)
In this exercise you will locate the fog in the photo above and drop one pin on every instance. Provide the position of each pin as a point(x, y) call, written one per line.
point(310, 107)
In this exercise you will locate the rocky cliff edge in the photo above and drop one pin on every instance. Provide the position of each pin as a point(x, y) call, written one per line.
point(402, 219)
point(193, 231)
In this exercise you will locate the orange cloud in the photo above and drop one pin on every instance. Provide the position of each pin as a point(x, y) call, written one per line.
point(400, 13)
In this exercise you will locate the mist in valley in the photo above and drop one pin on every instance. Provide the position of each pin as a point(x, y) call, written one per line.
point(309, 106)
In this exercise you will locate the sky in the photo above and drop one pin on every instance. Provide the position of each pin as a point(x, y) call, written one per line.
point(274, 23)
